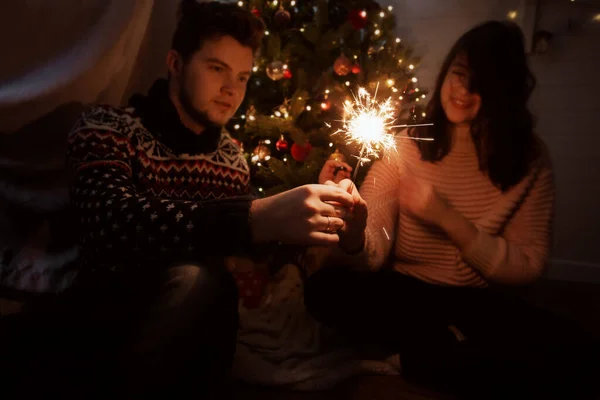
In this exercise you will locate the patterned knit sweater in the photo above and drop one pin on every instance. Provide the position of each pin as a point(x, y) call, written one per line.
point(513, 227)
point(149, 192)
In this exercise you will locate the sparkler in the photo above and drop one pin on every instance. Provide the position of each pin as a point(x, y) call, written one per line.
point(369, 124)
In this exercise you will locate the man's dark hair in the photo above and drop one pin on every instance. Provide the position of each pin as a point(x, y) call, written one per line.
point(198, 22)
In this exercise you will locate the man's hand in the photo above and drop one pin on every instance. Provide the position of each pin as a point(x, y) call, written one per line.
point(352, 234)
point(306, 215)
point(334, 171)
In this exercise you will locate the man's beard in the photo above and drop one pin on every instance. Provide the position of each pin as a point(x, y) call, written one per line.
point(200, 117)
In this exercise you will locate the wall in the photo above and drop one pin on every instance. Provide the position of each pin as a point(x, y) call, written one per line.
point(565, 103)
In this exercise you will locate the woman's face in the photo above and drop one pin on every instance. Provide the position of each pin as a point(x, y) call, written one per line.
point(460, 106)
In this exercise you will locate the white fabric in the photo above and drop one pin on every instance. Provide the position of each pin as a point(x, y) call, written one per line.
point(280, 344)
point(57, 52)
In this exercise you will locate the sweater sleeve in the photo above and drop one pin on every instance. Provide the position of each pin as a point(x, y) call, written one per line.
point(379, 190)
point(115, 218)
point(520, 253)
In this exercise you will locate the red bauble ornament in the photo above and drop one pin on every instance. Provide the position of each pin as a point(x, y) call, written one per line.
point(300, 152)
point(287, 74)
point(282, 144)
point(358, 18)
point(356, 69)
point(256, 12)
point(342, 65)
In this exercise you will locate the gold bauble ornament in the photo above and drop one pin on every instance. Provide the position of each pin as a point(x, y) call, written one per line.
point(261, 152)
point(337, 156)
point(275, 70)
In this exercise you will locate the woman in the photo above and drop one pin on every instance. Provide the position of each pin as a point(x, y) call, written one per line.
point(449, 222)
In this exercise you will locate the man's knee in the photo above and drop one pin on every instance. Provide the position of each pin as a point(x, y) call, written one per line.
point(197, 283)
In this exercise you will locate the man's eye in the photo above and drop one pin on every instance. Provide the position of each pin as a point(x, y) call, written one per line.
point(216, 68)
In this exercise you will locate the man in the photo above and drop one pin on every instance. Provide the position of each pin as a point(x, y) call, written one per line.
point(162, 196)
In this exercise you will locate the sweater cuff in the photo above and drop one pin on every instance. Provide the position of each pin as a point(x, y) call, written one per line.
point(486, 253)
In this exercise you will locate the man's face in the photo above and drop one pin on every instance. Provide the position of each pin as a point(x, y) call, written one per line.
point(213, 82)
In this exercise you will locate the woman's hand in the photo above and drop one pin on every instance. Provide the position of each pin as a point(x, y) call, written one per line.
point(352, 234)
point(334, 171)
point(421, 200)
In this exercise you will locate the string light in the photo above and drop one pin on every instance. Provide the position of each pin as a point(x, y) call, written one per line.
point(382, 14)
point(417, 90)
point(414, 79)
point(243, 117)
point(267, 33)
point(240, 3)
point(285, 66)
point(260, 189)
point(512, 14)
point(330, 144)
point(390, 82)
point(423, 96)
point(267, 141)
point(363, 14)
point(411, 66)
point(327, 91)
point(284, 159)
point(293, 3)
point(252, 118)
point(275, 2)
point(255, 69)
point(390, 8)
point(277, 113)
point(398, 40)
point(377, 32)
point(236, 127)
point(308, 108)
point(301, 29)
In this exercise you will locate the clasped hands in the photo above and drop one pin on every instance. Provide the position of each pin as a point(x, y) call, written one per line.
point(333, 213)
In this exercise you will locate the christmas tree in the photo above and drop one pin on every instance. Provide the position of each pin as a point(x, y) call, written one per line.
point(315, 55)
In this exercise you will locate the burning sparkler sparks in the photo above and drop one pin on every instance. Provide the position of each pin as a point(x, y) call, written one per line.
point(370, 124)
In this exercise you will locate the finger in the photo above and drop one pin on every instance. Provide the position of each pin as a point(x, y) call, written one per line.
point(332, 164)
point(347, 166)
point(347, 185)
point(334, 210)
point(330, 183)
point(329, 193)
point(331, 224)
point(323, 239)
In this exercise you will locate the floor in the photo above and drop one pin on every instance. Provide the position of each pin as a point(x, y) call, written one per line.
point(578, 300)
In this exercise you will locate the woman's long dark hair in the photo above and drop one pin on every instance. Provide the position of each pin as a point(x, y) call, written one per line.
point(503, 128)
